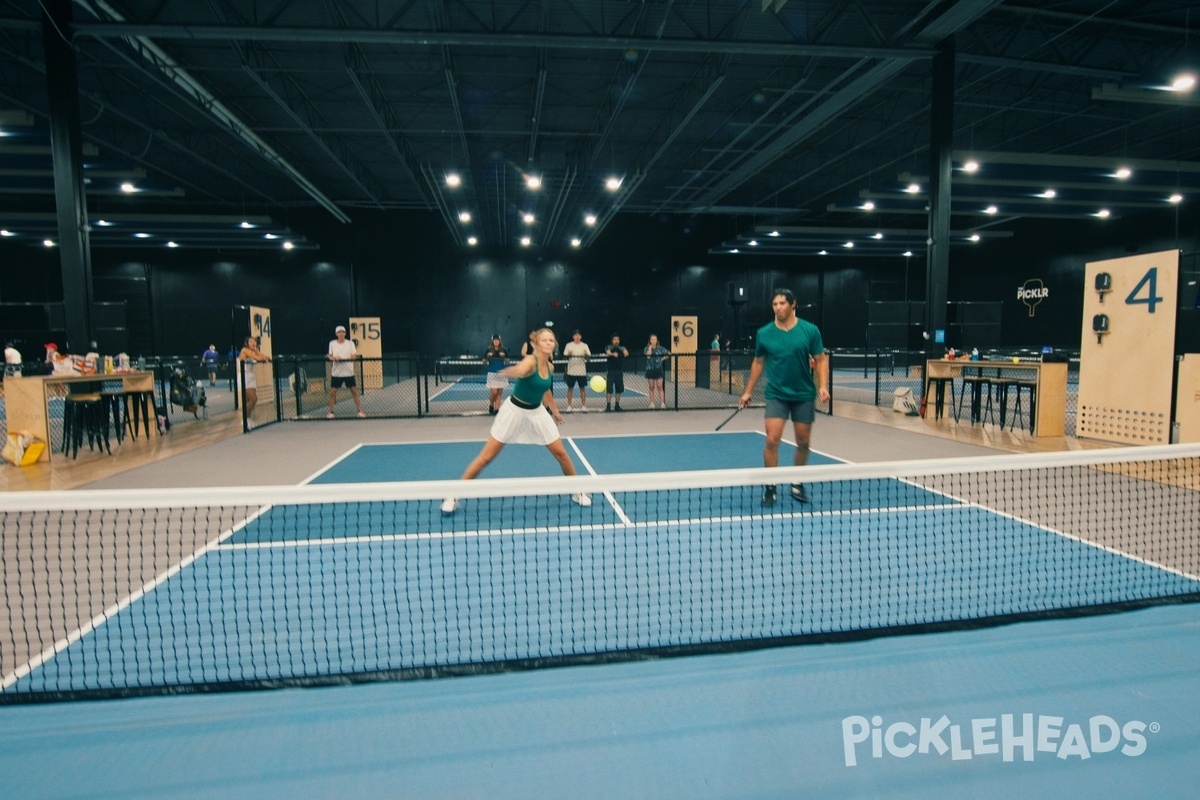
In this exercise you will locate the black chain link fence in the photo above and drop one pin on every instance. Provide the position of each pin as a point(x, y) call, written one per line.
point(412, 385)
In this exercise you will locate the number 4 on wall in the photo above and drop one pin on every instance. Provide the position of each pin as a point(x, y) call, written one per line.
point(1150, 282)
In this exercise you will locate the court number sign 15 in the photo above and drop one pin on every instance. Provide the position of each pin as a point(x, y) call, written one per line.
point(367, 330)
point(1146, 291)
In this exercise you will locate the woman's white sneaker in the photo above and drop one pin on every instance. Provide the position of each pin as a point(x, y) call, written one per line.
point(449, 504)
point(579, 497)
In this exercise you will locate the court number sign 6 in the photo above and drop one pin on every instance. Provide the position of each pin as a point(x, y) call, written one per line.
point(688, 330)
point(1146, 291)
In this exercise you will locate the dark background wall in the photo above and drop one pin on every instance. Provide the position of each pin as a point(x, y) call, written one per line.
point(437, 298)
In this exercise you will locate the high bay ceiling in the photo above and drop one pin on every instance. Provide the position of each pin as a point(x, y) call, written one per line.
point(792, 124)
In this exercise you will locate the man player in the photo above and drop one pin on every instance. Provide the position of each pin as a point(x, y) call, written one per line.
point(792, 354)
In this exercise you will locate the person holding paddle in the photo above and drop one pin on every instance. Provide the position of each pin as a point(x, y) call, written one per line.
point(790, 351)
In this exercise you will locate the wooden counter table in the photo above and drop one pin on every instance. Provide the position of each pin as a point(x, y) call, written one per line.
point(1050, 391)
point(27, 399)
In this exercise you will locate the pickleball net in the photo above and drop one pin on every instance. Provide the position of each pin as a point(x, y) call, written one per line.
point(120, 593)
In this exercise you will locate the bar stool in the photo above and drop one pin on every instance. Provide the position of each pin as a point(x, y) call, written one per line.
point(83, 416)
point(1003, 386)
point(1021, 387)
point(139, 409)
point(111, 403)
point(977, 384)
point(939, 388)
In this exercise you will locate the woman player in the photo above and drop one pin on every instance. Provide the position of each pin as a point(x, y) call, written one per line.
point(522, 418)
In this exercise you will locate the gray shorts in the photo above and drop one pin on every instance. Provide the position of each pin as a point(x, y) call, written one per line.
point(803, 413)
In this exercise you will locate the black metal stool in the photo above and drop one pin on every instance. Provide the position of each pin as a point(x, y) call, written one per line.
point(112, 404)
point(1021, 387)
point(1003, 387)
point(83, 415)
point(939, 397)
point(139, 410)
point(977, 383)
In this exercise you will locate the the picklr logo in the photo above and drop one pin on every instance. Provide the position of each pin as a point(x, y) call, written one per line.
point(1032, 292)
point(1006, 737)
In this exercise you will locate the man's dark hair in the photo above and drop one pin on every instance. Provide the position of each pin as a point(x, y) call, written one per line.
point(786, 294)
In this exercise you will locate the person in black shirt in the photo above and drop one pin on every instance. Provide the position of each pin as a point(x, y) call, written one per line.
point(616, 354)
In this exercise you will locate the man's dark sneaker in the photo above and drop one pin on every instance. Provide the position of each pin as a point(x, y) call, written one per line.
point(768, 496)
point(799, 493)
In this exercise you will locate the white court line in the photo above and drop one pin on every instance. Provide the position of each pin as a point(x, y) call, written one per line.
point(110, 612)
point(612, 501)
point(582, 527)
point(332, 464)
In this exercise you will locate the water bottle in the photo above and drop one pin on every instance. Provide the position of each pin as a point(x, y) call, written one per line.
point(974, 353)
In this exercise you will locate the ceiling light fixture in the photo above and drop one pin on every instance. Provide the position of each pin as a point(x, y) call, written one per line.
point(128, 188)
point(1049, 194)
point(533, 182)
point(1103, 213)
point(576, 242)
point(589, 220)
point(288, 245)
point(1183, 82)
point(464, 216)
point(612, 184)
point(868, 206)
point(913, 188)
point(1123, 173)
point(48, 242)
point(971, 167)
point(453, 180)
point(1175, 198)
point(991, 210)
point(527, 218)
point(472, 241)
point(526, 241)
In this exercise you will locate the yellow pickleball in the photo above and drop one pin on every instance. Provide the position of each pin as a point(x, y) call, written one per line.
point(598, 384)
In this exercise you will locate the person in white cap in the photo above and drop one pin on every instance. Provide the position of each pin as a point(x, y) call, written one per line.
point(343, 354)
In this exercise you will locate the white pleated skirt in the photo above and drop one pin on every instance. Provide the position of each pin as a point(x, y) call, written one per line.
point(516, 425)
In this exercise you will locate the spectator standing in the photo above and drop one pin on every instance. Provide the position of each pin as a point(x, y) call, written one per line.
point(577, 353)
point(495, 357)
point(208, 359)
point(343, 354)
point(656, 358)
point(616, 354)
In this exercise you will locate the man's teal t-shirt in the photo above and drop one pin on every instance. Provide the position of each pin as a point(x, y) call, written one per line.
point(786, 354)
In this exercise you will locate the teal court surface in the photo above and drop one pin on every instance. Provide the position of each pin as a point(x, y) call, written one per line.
point(290, 592)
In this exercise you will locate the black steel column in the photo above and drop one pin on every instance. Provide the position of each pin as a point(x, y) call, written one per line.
point(941, 150)
point(66, 146)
